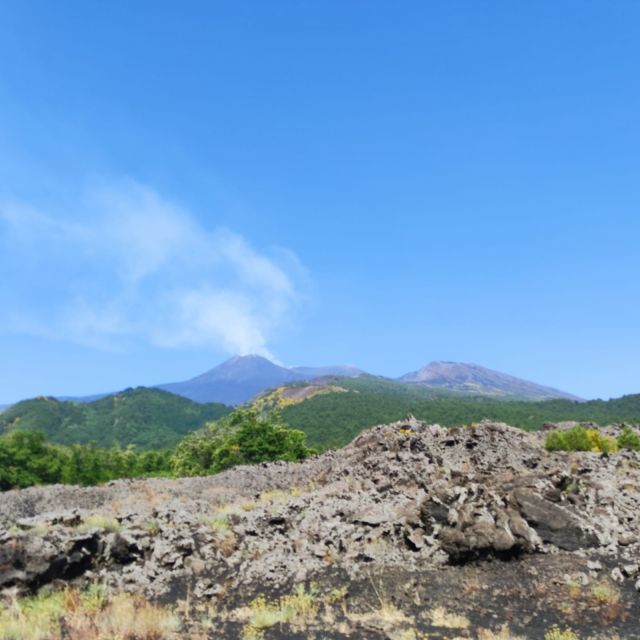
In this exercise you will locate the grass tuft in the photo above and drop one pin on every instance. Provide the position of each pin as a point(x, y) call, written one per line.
point(555, 633)
point(110, 525)
point(86, 615)
point(440, 617)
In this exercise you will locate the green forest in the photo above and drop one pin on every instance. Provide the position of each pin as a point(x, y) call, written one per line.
point(27, 459)
point(146, 418)
point(334, 419)
point(242, 437)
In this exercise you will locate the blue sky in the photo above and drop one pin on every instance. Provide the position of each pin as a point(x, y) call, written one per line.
point(377, 183)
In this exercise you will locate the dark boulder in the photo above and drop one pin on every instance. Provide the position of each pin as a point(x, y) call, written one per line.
point(552, 523)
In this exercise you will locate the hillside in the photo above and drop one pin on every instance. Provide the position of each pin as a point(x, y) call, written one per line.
point(147, 418)
point(330, 410)
point(411, 532)
point(331, 419)
point(472, 378)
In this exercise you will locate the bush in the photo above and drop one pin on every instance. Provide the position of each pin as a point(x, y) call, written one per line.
point(243, 437)
point(580, 439)
point(628, 439)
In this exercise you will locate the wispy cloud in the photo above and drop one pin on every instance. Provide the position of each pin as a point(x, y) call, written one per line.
point(133, 266)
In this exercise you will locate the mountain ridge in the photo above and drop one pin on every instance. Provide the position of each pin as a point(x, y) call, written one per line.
point(474, 378)
point(241, 379)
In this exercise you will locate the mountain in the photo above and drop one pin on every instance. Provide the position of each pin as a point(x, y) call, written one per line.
point(472, 378)
point(234, 381)
point(147, 418)
point(240, 378)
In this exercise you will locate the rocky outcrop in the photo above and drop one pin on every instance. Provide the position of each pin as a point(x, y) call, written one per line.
point(404, 495)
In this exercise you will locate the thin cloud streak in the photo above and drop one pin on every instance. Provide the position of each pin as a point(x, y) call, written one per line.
point(133, 266)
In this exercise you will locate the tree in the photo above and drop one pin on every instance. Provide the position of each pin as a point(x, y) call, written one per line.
point(26, 459)
point(243, 437)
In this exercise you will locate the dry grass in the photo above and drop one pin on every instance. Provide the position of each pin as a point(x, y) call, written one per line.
point(440, 617)
point(471, 586)
point(606, 596)
point(86, 615)
point(110, 525)
point(556, 633)
point(152, 527)
point(219, 522)
point(224, 515)
point(605, 593)
point(504, 633)
point(280, 495)
point(39, 530)
point(297, 610)
point(386, 616)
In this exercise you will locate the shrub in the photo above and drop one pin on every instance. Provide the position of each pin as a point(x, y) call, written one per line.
point(580, 439)
point(555, 633)
point(243, 437)
point(628, 439)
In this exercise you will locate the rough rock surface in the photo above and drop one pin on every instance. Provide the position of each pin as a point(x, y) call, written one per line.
point(404, 502)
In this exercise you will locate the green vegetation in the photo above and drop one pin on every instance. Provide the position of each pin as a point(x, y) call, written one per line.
point(334, 419)
point(296, 610)
point(582, 439)
point(629, 439)
point(155, 419)
point(147, 432)
point(26, 459)
point(100, 522)
point(556, 633)
point(91, 614)
point(146, 418)
point(244, 437)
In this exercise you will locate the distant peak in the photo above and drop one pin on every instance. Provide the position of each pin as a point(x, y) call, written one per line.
point(474, 378)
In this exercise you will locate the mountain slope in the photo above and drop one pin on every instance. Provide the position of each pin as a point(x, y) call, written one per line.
point(240, 378)
point(472, 378)
point(331, 419)
point(147, 418)
point(234, 381)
